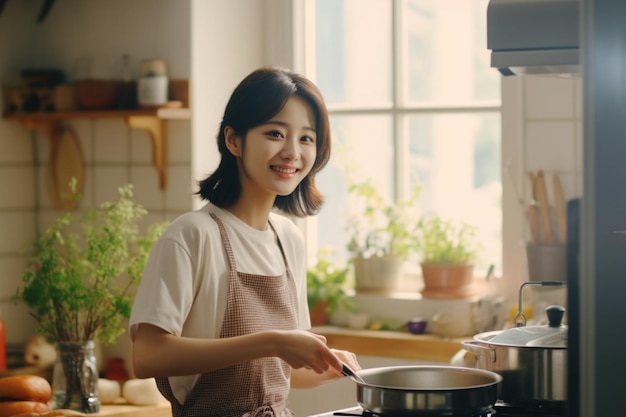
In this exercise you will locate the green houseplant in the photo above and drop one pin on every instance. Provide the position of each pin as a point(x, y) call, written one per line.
point(382, 237)
point(78, 285)
point(448, 251)
point(327, 287)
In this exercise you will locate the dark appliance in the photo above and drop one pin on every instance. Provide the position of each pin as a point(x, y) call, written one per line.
point(572, 269)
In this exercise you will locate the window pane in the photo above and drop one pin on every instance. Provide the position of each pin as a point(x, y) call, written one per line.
point(389, 70)
point(362, 148)
point(353, 48)
point(447, 60)
point(456, 159)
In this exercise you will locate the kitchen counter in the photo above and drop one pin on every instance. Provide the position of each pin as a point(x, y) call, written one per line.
point(391, 344)
point(125, 410)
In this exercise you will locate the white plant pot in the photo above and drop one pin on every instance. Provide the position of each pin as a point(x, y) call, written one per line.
point(378, 274)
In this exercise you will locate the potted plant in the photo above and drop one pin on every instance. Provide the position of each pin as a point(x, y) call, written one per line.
point(327, 288)
point(79, 284)
point(383, 237)
point(449, 251)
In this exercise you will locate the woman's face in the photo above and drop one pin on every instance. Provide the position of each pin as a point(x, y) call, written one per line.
point(280, 153)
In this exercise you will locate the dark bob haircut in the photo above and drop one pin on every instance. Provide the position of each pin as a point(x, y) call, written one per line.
point(258, 98)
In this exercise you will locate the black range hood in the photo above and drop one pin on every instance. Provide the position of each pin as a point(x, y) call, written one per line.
point(534, 36)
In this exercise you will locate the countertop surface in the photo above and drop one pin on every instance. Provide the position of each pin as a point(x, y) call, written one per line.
point(125, 410)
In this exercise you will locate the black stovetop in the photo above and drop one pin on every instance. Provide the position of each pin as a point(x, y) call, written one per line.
point(357, 411)
point(499, 410)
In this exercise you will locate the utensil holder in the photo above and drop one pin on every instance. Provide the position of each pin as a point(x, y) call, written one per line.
point(546, 262)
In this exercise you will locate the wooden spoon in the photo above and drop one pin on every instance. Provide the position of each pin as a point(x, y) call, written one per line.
point(544, 208)
point(533, 223)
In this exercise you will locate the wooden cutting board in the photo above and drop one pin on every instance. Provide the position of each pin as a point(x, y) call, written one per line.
point(66, 162)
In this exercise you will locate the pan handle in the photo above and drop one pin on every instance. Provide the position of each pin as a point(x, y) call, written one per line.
point(480, 350)
point(347, 371)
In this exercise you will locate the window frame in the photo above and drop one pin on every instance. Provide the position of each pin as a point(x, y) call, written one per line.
point(398, 109)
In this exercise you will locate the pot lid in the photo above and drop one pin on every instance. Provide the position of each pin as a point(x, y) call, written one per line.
point(554, 335)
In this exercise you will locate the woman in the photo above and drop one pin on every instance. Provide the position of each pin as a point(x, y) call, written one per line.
point(220, 317)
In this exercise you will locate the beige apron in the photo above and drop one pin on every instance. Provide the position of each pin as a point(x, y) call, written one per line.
point(253, 389)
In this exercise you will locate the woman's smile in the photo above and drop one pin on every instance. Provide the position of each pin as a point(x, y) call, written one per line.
point(284, 171)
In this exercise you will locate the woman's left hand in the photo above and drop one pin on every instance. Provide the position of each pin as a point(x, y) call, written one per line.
point(348, 358)
point(306, 378)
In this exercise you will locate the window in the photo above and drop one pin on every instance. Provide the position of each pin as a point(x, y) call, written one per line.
point(412, 102)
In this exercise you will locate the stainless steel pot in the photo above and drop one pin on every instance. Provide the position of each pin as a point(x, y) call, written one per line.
point(429, 390)
point(531, 359)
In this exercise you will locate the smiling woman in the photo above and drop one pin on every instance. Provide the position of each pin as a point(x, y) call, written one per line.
point(223, 296)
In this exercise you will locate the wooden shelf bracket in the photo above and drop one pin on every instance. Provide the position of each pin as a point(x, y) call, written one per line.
point(151, 120)
point(155, 126)
point(48, 127)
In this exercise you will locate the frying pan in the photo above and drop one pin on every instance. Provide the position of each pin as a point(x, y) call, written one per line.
point(429, 390)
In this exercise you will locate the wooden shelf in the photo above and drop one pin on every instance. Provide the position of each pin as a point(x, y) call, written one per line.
point(150, 120)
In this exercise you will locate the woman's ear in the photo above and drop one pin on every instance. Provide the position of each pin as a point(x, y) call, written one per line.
point(233, 142)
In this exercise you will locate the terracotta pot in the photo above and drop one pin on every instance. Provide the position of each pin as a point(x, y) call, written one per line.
point(319, 316)
point(448, 281)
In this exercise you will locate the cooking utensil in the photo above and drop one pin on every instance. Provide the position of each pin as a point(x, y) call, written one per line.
point(347, 371)
point(531, 359)
point(533, 190)
point(559, 203)
point(533, 210)
point(445, 390)
point(533, 223)
point(544, 208)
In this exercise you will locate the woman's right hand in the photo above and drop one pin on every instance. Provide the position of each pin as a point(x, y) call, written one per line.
point(303, 349)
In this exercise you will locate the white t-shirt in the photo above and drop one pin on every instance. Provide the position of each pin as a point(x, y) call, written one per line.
point(184, 286)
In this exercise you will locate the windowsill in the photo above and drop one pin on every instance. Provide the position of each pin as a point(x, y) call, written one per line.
point(402, 307)
point(449, 322)
point(392, 344)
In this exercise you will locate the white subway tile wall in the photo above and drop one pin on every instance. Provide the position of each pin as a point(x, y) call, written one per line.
point(180, 150)
point(553, 126)
point(548, 123)
point(550, 144)
point(111, 141)
point(15, 144)
point(17, 183)
point(558, 104)
point(140, 147)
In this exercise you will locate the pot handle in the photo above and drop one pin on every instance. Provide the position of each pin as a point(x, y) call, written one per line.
point(479, 349)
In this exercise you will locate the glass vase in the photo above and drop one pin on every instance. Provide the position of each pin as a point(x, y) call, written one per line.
point(75, 377)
